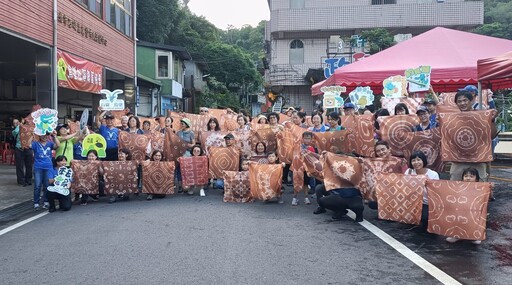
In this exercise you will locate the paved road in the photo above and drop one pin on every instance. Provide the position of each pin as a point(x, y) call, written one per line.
point(201, 240)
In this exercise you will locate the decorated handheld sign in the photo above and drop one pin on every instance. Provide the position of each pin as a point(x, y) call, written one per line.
point(61, 183)
point(418, 78)
point(395, 87)
point(112, 103)
point(332, 96)
point(84, 118)
point(45, 121)
point(94, 142)
point(362, 96)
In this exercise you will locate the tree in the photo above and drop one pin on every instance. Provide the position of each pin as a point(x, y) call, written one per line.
point(155, 19)
point(497, 20)
point(378, 39)
point(217, 95)
point(248, 39)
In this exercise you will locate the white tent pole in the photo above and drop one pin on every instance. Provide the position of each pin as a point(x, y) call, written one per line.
point(480, 106)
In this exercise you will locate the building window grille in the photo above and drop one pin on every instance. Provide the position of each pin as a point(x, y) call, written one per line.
point(163, 63)
point(119, 14)
point(296, 52)
point(95, 6)
point(383, 2)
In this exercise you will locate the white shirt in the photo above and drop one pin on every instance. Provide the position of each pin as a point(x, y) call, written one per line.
point(431, 174)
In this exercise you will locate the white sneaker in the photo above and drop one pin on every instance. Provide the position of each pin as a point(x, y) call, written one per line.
point(295, 202)
point(201, 192)
point(476, 242)
point(452, 239)
point(36, 207)
point(46, 205)
point(306, 201)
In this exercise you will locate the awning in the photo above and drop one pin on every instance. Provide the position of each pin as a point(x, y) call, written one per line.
point(150, 80)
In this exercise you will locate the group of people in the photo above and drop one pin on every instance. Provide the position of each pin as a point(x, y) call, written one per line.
point(68, 147)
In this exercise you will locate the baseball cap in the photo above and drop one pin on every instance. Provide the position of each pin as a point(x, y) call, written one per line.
point(108, 115)
point(421, 109)
point(429, 101)
point(229, 136)
point(349, 105)
point(470, 88)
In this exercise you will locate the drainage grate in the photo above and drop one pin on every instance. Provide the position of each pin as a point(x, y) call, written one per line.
point(9, 213)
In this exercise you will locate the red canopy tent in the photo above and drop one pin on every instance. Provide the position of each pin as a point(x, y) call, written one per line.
point(452, 54)
point(496, 71)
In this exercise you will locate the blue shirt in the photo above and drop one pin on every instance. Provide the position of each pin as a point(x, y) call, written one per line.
point(42, 155)
point(77, 151)
point(16, 134)
point(110, 135)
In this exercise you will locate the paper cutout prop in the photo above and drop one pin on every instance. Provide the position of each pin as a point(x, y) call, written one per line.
point(174, 147)
point(267, 136)
point(429, 142)
point(373, 165)
point(120, 177)
point(61, 183)
point(466, 136)
point(333, 64)
point(400, 197)
point(331, 141)
point(237, 187)
point(111, 103)
point(158, 177)
point(332, 96)
point(395, 87)
point(361, 97)
point(411, 103)
point(265, 180)
point(418, 78)
point(394, 130)
point(86, 177)
point(340, 171)
point(223, 159)
point(194, 170)
point(94, 142)
point(26, 135)
point(84, 119)
point(360, 134)
point(137, 144)
point(458, 209)
point(45, 121)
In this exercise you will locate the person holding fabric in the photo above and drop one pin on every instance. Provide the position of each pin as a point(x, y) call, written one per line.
point(425, 123)
point(299, 119)
point(156, 156)
point(134, 126)
point(349, 109)
point(242, 123)
point(196, 151)
point(23, 157)
point(124, 122)
point(109, 132)
point(318, 124)
point(92, 155)
point(64, 200)
point(335, 122)
point(262, 119)
point(67, 141)
point(168, 125)
point(188, 136)
point(401, 109)
point(43, 166)
point(213, 125)
point(146, 127)
point(273, 121)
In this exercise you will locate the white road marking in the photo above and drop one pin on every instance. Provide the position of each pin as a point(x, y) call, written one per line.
point(409, 254)
point(15, 226)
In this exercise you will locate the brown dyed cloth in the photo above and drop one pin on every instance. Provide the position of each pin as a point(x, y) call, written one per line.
point(411, 103)
point(243, 139)
point(26, 136)
point(174, 147)
point(458, 209)
point(447, 102)
point(313, 165)
point(261, 159)
point(209, 139)
point(395, 128)
point(176, 117)
point(86, 177)
point(285, 143)
point(120, 177)
point(199, 123)
point(265, 180)
point(466, 136)
point(223, 159)
point(73, 126)
point(361, 135)
point(429, 142)
point(340, 171)
point(158, 177)
point(228, 122)
point(137, 144)
point(194, 170)
point(255, 126)
point(267, 136)
point(400, 197)
point(118, 114)
point(237, 187)
point(331, 141)
point(373, 165)
point(157, 141)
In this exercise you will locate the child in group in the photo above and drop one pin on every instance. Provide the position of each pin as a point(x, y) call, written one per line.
point(244, 166)
point(123, 155)
point(272, 159)
point(42, 166)
point(56, 194)
point(309, 182)
point(92, 155)
point(196, 151)
point(156, 156)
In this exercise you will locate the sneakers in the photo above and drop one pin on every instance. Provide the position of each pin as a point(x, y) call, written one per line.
point(319, 210)
point(452, 239)
point(36, 207)
point(477, 242)
point(295, 202)
point(190, 192)
point(46, 205)
point(280, 200)
point(201, 192)
point(306, 201)
point(149, 197)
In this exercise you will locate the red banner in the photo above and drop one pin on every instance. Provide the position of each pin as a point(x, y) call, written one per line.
point(79, 74)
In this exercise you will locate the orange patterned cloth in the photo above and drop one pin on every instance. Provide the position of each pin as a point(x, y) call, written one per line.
point(194, 170)
point(209, 139)
point(243, 139)
point(267, 136)
point(86, 176)
point(158, 177)
point(120, 177)
point(373, 165)
point(313, 165)
point(285, 144)
point(447, 102)
point(26, 135)
point(261, 159)
point(466, 136)
point(332, 141)
point(411, 103)
point(228, 122)
point(237, 188)
point(157, 141)
point(223, 159)
point(340, 171)
point(361, 135)
point(265, 180)
point(199, 123)
point(429, 142)
point(118, 115)
point(400, 197)
point(458, 209)
point(174, 147)
point(137, 144)
point(395, 128)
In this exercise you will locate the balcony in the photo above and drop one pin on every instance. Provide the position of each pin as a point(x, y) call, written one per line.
point(287, 75)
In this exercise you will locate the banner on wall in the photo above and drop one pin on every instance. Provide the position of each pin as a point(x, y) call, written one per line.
point(78, 74)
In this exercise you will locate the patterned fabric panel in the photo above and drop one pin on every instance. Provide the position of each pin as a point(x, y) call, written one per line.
point(199, 123)
point(340, 171)
point(237, 188)
point(286, 141)
point(372, 166)
point(411, 103)
point(120, 177)
point(223, 159)
point(243, 139)
point(118, 115)
point(212, 139)
point(429, 142)
point(73, 126)
point(361, 138)
point(447, 102)
point(255, 126)
point(458, 209)
point(157, 141)
point(332, 141)
point(267, 136)
point(194, 170)
point(395, 128)
point(174, 147)
point(312, 165)
point(176, 117)
point(265, 180)
point(228, 122)
point(466, 136)
point(259, 159)
point(26, 135)
point(400, 197)
point(86, 177)
point(137, 144)
point(158, 177)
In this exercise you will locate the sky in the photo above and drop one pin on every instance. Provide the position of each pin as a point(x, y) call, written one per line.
point(231, 12)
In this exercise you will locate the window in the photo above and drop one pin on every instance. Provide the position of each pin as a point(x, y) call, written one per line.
point(296, 4)
point(119, 15)
point(95, 6)
point(296, 52)
point(383, 2)
point(163, 64)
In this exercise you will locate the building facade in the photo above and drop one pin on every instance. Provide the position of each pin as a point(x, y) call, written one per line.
point(302, 34)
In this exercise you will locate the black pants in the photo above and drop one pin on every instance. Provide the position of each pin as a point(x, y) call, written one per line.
point(320, 192)
point(24, 162)
point(338, 204)
point(286, 170)
point(64, 201)
point(112, 154)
